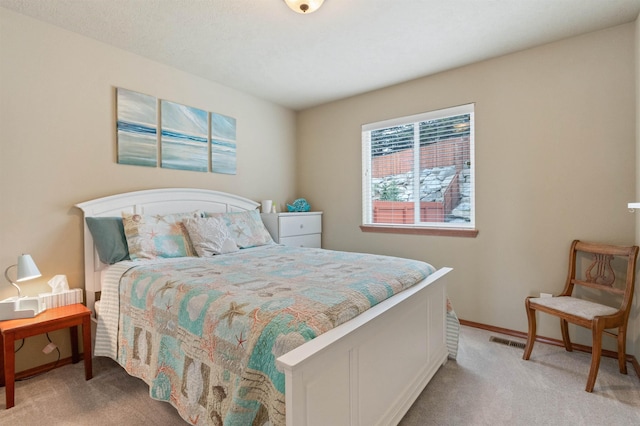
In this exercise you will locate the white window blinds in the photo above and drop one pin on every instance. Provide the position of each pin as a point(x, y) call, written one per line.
point(418, 171)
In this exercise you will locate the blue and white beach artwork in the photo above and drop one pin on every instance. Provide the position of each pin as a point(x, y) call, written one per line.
point(137, 128)
point(184, 137)
point(223, 144)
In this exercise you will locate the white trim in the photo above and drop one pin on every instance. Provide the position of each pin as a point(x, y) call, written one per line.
point(366, 178)
point(367, 190)
point(425, 116)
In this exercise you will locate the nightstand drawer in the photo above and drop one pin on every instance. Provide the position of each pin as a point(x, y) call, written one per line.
point(300, 225)
point(311, 240)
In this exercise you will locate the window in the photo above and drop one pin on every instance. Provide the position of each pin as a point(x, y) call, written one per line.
point(418, 173)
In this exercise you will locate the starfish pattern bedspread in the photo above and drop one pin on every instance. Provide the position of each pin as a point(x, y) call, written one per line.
point(204, 333)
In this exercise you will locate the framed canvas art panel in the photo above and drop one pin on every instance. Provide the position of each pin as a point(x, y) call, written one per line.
point(137, 128)
point(184, 137)
point(223, 144)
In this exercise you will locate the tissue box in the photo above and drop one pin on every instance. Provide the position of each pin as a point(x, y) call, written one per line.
point(67, 297)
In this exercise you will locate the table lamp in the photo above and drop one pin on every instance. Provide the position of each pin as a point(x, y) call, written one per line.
point(27, 270)
point(22, 307)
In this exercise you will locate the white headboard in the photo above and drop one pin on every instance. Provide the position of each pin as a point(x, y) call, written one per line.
point(163, 201)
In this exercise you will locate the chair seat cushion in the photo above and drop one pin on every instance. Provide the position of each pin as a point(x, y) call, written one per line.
point(572, 305)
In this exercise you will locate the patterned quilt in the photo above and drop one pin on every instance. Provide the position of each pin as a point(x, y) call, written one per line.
point(204, 333)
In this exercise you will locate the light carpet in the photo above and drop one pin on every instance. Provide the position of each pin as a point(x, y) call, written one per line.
point(489, 384)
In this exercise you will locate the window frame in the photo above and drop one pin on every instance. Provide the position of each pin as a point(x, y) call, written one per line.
point(420, 228)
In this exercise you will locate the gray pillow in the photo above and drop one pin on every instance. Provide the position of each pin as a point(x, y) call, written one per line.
point(210, 236)
point(108, 236)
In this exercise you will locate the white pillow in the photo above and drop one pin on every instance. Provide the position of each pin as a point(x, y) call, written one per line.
point(245, 227)
point(209, 236)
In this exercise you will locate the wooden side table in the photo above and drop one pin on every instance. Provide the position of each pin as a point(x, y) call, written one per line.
point(70, 316)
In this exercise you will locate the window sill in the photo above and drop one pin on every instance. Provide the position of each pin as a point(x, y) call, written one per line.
point(443, 232)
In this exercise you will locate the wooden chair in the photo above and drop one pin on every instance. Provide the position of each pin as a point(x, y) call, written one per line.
point(598, 275)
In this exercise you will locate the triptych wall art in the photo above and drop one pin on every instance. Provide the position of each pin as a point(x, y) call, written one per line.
point(190, 138)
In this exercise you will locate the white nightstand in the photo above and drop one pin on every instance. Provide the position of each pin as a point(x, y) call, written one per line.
point(295, 229)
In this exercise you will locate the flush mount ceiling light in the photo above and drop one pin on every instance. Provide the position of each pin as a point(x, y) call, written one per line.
point(304, 6)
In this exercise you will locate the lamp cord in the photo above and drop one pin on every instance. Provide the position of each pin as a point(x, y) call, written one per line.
point(19, 347)
point(42, 372)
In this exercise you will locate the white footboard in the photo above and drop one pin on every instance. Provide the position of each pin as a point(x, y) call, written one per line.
point(370, 370)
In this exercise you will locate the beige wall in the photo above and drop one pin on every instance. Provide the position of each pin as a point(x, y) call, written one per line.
point(556, 138)
point(57, 146)
point(555, 161)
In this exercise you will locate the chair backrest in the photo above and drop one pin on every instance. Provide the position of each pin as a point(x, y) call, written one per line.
point(600, 274)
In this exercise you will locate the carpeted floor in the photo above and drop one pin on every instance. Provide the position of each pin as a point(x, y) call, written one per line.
point(489, 384)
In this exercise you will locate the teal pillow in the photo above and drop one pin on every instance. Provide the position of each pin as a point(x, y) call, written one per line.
point(109, 239)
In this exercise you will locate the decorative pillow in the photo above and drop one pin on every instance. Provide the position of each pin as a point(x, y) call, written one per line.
point(108, 236)
point(151, 236)
point(210, 236)
point(246, 228)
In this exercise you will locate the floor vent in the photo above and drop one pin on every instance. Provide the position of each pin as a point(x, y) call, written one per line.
point(507, 342)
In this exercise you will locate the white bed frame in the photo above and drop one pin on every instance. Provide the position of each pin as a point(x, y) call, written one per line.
point(367, 371)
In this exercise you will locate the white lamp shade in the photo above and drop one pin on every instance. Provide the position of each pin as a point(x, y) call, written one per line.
point(27, 268)
point(304, 6)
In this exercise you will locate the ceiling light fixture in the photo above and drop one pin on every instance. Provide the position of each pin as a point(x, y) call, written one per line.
point(304, 6)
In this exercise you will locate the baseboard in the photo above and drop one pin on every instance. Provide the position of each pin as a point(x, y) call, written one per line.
point(45, 367)
point(556, 342)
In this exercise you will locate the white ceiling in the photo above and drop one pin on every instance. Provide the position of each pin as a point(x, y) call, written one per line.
point(345, 48)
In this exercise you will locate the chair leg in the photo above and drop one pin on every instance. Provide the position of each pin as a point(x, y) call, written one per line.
point(622, 349)
point(531, 337)
point(596, 351)
point(564, 326)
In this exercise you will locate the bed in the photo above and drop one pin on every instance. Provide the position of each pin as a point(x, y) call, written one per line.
point(348, 367)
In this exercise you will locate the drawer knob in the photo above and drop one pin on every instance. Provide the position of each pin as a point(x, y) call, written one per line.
point(301, 226)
